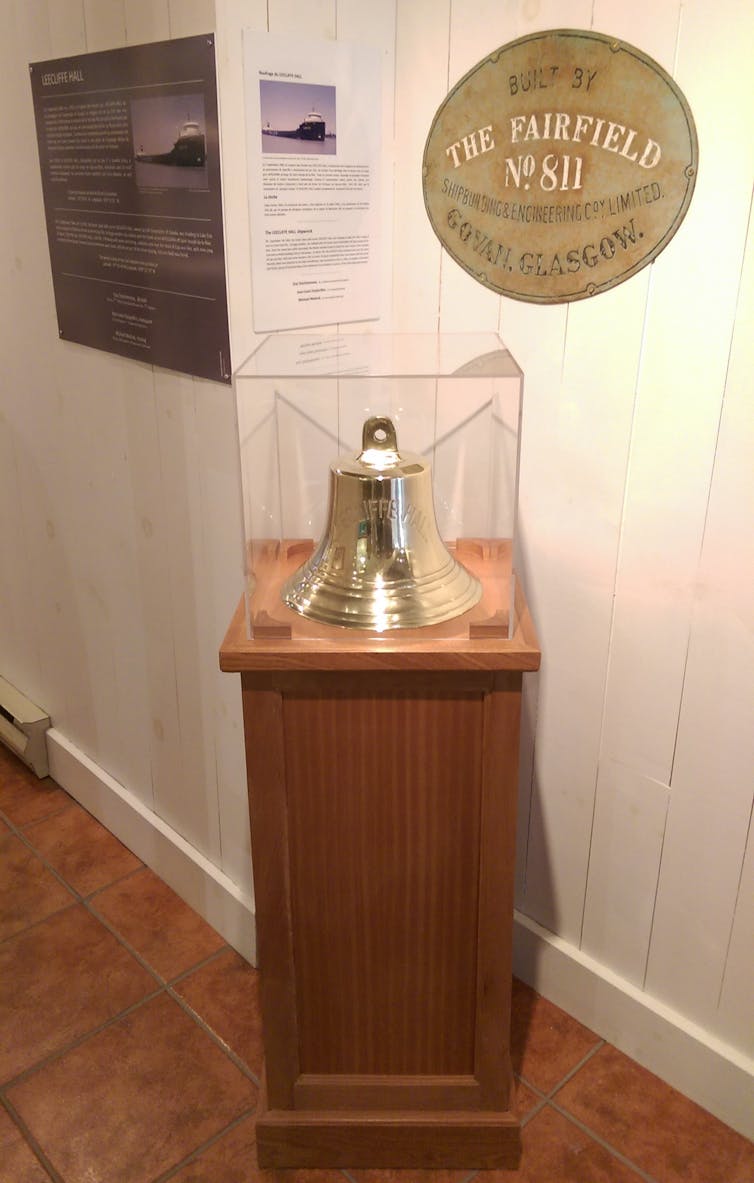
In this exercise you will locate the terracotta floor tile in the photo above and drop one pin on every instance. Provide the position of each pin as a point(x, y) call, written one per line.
point(164, 930)
point(225, 994)
point(81, 850)
point(28, 891)
point(24, 797)
point(58, 980)
point(557, 1151)
point(233, 1159)
point(133, 1100)
point(546, 1043)
point(413, 1176)
point(18, 1163)
point(660, 1130)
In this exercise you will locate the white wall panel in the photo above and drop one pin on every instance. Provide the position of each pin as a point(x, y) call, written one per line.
point(146, 20)
point(153, 589)
point(680, 389)
point(652, 28)
point(36, 577)
point(713, 772)
point(315, 19)
point(98, 525)
point(105, 24)
point(421, 83)
point(189, 18)
point(734, 1007)
point(222, 549)
point(67, 26)
point(374, 25)
point(465, 305)
point(21, 258)
point(573, 521)
point(627, 836)
point(188, 800)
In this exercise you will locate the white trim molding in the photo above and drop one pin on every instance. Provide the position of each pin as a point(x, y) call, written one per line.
point(195, 879)
point(714, 1074)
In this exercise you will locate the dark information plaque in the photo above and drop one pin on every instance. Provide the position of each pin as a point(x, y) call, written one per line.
point(559, 166)
point(129, 154)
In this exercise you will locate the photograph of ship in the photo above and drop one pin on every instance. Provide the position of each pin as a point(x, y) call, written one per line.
point(297, 117)
point(169, 142)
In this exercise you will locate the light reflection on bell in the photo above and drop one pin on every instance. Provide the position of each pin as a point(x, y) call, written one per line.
point(381, 563)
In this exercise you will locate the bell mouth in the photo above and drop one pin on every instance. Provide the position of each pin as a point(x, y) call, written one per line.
point(382, 604)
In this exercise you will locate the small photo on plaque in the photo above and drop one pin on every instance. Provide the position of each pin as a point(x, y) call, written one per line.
point(297, 118)
point(169, 143)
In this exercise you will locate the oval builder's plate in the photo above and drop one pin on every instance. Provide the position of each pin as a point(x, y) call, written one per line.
point(559, 166)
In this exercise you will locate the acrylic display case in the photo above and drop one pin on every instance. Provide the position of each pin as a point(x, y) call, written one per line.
point(455, 400)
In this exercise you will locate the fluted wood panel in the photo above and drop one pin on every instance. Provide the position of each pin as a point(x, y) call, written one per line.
point(383, 821)
point(385, 902)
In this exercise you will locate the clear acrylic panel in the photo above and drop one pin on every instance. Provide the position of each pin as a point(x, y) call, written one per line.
point(455, 399)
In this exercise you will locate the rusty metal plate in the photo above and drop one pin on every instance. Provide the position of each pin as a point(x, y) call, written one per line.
point(559, 166)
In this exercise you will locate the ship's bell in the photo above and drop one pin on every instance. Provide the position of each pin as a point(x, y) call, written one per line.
point(381, 563)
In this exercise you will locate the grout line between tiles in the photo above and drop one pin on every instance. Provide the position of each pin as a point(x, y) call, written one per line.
point(541, 1104)
point(30, 846)
point(198, 1151)
point(74, 1043)
point(602, 1142)
point(126, 944)
point(224, 1047)
point(36, 923)
point(30, 1140)
point(546, 1096)
point(547, 1100)
point(577, 1068)
point(17, 827)
point(163, 983)
point(85, 900)
point(163, 988)
point(185, 973)
point(128, 875)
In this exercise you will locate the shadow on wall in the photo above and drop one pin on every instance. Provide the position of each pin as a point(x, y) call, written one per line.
point(530, 794)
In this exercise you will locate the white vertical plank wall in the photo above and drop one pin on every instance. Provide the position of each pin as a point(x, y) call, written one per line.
point(121, 526)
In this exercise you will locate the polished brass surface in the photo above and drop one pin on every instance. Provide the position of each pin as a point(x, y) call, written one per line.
point(381, 563)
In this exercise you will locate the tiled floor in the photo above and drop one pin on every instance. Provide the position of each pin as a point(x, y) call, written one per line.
point(130, 1044)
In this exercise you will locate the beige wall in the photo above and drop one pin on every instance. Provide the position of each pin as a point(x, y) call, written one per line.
point(119, 502)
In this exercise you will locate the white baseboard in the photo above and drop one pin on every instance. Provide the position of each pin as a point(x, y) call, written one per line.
point(710, 1072)
point(196, 880)
point(697, 1063)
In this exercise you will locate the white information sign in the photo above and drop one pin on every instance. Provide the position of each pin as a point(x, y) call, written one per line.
point(313, 118)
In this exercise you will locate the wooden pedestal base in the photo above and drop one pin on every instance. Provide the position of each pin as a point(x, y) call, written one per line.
point(403, 1138)
point(382, 777)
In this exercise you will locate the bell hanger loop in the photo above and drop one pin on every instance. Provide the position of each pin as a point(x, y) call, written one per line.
point(379, 443)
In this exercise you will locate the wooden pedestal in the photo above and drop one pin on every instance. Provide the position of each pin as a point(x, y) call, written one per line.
point(382, 780)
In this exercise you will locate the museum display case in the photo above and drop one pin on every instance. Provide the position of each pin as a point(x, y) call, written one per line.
point(455, 403)
point(382, 761)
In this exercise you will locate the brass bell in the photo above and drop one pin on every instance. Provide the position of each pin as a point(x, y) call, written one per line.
point(381, 563)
